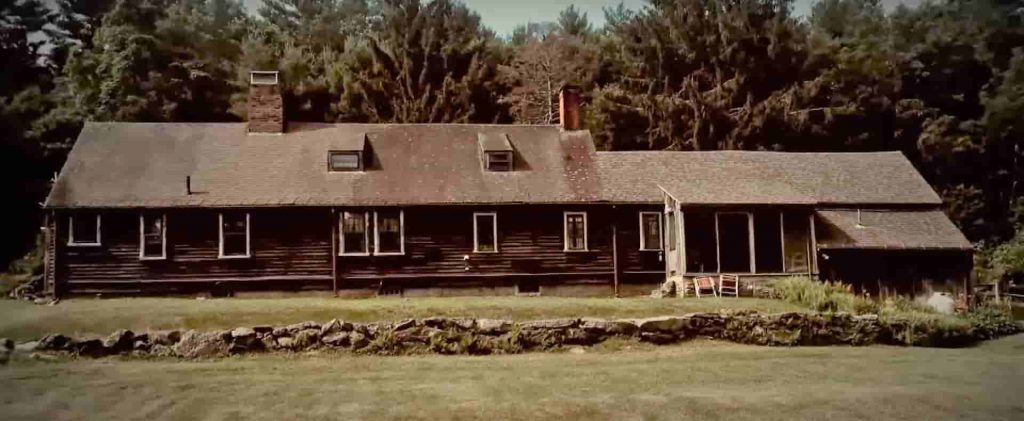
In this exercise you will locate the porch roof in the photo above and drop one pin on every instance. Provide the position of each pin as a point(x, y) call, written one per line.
point(764, 178)
point(888, 229)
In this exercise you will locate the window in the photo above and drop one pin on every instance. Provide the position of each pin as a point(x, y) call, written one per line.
point(575, 231)
point(768, 241)
point(389, 232)
point(650, 231)
point(152, 236)
point(700, 244)
point(345, 161)
point(354, 226)
point(485, 232)
point(735, 241)
point(499, 161)
point(234, 234)
point(84, 230)
point(672, 230)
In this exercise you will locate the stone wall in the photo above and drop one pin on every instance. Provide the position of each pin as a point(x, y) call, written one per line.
point(487, 336)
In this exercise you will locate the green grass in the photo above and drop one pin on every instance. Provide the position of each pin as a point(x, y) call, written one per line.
point(695, 380)
point(91, 317)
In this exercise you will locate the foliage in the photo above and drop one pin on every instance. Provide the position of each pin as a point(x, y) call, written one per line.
point(821, 296)
point(905, 322)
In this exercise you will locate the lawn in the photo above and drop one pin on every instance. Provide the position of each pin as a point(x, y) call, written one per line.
point(701, 380)
point(91, 317)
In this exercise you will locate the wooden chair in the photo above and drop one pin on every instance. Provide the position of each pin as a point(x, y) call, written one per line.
point(728, 284)
point(704, 283)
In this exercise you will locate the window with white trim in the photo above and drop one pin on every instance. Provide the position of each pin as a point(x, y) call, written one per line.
point(84, 229)
point(234, 235)
point(575, 231)
point(650, 230)
point(354, 237)
point(485, 232)
point(389, 232)
point(152, 236)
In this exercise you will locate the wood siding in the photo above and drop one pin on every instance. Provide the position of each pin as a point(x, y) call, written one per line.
point(285, 244)
point(292, 248)
point(530, 241)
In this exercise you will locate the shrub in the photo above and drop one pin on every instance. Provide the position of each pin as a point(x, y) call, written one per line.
point(821, 296)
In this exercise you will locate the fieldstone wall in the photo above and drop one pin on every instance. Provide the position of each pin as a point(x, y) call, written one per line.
point(486, 336)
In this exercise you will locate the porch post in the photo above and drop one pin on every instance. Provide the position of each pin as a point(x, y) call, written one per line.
point(334, 250)
point(814, 249)
point(615, 254)
point(750, 241)
point(681, 242)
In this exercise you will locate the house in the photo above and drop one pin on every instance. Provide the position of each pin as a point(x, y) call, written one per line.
point(439, 209)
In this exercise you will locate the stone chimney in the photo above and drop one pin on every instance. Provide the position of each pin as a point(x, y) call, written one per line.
point(266, 107)
point(569, 107)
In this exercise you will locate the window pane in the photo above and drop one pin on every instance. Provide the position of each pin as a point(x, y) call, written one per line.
point(234, 234)
point(499, 161)
point(152, 236)
point(651, 231)
point(234, 245)
point(344, 161)
point(672, 230)
point(575, 232)
point(767, 242)
point(389, 232)
point(84, 229)
point(734, 242)
point(485, 240)
point(353, 231)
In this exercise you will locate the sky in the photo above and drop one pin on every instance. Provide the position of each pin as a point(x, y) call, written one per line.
point(504, 15)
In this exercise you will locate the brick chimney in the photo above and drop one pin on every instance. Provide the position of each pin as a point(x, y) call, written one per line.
point(266, 107)
point(569, 107)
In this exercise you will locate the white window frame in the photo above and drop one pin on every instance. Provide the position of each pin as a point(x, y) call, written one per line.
point(401, 235)
point(71, 233)
point(565, 232)
point(661, 235)
point(142, 238)
point(366, 233)
point(476, 232)
point(248, 237)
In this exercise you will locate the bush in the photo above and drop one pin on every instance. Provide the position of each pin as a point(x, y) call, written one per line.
point(821, 296)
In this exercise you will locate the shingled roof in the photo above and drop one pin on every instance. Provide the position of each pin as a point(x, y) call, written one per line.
point(773, 178)
point(145, 165)
point(888, 229)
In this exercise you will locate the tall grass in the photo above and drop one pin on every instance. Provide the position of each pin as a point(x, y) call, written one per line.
point(908, 322)
point(822, 296)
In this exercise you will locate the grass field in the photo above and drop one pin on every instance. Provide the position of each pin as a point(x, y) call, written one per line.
point(90, 317)
point(698, 380)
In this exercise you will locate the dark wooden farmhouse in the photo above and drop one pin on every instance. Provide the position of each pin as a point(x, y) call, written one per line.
point(439, 209)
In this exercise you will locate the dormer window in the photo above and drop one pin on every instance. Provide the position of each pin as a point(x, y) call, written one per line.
point(499, 161)
point(345, 161)
point(495, 151)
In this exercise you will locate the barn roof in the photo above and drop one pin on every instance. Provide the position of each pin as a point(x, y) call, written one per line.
point(772, 178)
point(145, 165)
point(888, 229)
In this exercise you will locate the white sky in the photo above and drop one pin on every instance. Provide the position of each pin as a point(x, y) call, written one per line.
point(504, 15)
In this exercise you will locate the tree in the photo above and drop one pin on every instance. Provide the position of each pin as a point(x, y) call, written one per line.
point(687, 66)
point(424, 63)
point(23, 86)
point(546, 58)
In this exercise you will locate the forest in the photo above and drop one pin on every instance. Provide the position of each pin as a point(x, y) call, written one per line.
point(942, 82)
